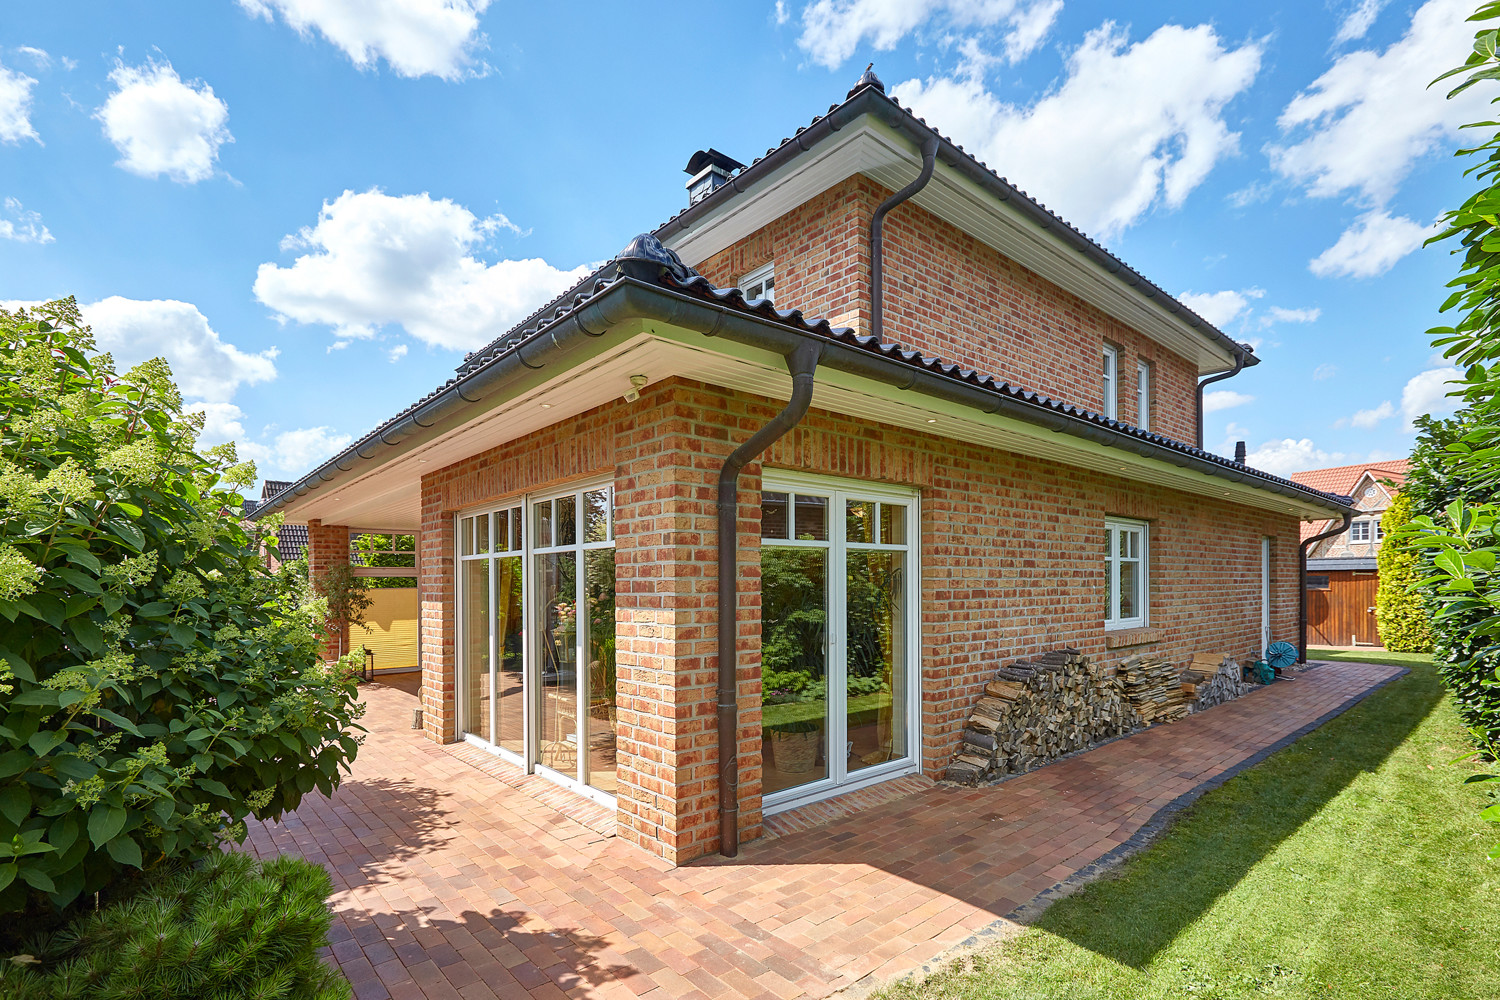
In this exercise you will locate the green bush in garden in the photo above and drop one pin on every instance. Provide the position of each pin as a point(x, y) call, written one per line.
point(227, 927)
point(1400, 611)
point(157, 684)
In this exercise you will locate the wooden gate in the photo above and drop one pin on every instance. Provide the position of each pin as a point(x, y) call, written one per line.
point(1345, 610)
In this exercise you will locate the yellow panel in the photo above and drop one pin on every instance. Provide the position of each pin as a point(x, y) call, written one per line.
point(390, 629)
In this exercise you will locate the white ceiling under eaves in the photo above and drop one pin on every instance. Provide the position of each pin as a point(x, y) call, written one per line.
point(874, 149)
point(388, 495)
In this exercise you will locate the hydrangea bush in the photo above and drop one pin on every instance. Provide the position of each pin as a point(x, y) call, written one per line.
point(158, 685)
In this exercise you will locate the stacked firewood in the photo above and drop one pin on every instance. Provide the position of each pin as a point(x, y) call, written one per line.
point(1036, 710)
point(1153, 687)
point(1212, 680)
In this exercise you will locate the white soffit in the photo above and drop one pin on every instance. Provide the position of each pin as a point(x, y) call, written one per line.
point(390, 494)
point(872, 148)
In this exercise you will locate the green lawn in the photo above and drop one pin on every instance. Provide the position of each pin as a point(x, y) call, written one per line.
point(1369, 656)
point(1351, 864)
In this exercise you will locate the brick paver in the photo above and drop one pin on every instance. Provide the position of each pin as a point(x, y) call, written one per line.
point(454, 880)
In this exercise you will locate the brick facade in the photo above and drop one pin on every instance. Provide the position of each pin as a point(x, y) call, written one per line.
point(328, 545)
point(1011, 564)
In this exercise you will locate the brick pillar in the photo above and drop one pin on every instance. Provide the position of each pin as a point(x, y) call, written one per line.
point(327, 545)
point(438, 631)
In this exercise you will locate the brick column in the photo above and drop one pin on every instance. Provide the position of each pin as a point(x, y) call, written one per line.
point(438, 617)
point(327, 545)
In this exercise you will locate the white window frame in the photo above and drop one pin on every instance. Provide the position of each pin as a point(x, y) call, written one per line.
point(1359, 532)
point(530, 637)
point(761, 273)
point(1379, 530)
point(839, 490)
point(1111, 374)
point(1143, 395)
point(1113, 527)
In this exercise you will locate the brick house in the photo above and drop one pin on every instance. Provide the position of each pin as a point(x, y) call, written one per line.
point(981, 449)
point(1341, 573)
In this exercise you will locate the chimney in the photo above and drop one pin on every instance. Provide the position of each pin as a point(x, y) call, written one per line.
point(1239, 452)
point(708, 169)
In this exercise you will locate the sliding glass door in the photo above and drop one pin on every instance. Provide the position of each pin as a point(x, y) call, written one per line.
point(536, 597)
point(838, 656)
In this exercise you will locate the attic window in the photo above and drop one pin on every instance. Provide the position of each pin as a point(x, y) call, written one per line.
point(760, 284)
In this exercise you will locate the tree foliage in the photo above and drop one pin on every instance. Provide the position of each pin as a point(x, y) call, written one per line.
point(1400, 610)
point(157, 684)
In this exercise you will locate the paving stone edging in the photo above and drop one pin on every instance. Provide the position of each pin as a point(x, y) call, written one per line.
point(1015, 921)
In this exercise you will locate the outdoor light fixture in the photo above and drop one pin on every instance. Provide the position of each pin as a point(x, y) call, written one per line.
point(637, 383)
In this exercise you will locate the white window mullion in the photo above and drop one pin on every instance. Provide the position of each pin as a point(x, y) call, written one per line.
point(494, 638)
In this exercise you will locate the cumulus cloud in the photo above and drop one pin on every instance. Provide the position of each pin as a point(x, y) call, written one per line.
point(1367, 419)
point(1130, 127)
point(1373, 245)
point(375, 259)
point(16, 223)
point(1029, 28)
point(1220, 308)
point(414, 37)
point(205, 366)
point(1224, 399)
point(287, 453)
point(397, 353)
point(1357, 20)
point(1289, 455)
point(163, 126)
point(15, 106)
point(833, 29)
point(1427, 394)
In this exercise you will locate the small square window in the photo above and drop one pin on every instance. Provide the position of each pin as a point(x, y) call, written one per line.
point(1359, 532)
point(760, 284)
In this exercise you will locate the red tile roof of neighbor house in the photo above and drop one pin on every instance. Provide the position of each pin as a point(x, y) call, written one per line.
point(1341, 479)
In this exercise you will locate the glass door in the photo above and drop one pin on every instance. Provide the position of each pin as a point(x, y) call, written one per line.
point(837, 634)
point(491, 625)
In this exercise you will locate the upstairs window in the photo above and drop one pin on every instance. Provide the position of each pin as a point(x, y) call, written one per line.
point(1143, 396)
point(1359, 532)
point(760, 284)
point(1111, 378)
point(1379, 532)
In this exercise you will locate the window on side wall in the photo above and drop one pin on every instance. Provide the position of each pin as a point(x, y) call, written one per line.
point(1379, 531)
point(1359, 532)
point(1143, 395)
point(1126, 574)
point(760, 284)
point(1111, 378)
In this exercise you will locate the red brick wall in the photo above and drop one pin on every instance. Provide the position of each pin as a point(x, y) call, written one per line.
point(327, 545)
point(947, 294)
point(1011, 552)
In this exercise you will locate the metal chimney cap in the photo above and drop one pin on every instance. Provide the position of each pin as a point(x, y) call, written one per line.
point(711, 157)
point(869, 79)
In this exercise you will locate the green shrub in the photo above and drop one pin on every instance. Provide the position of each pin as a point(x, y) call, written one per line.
point(157, 684)
point(1400, 610)
point(226, 927)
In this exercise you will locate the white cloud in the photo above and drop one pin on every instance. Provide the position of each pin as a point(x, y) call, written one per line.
point(374, 259)
point(206, 368)
point(833, 29)
point(1131, 126)
point(1029, 28)
point(1427, 393)
point(1324, 372)
point(36, 55)
point(1224, 399)
point(782, 14)
point(1220, 308)
point(15, 106)
point(163, 126)
point(1289, 455)
point(221, 422)
point(1281, 315)
point(397, 353)
point(289, 453)
point(1366, 121)
point(22, 226)
point(1358, 20)
point(1367, 419)
point(1371, 246)
point(415, 37)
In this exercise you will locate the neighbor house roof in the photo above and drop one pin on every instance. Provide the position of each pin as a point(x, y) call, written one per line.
point(650, 276)
point(1342, 479)
point(291, 539)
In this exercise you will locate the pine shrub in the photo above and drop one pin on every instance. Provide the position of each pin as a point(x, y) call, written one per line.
point(1400, 610)
point(225, 928)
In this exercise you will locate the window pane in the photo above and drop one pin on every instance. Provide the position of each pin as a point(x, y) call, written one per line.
point(502, 530)
point(509, 690)
point(476, 621)
point(875, 671)
point(599, 589)
point(567, 520)
point(892, 524)
point(1111, 572)
point(811, 522)
point(515, 529)
point(794, 665)
point(1124, 549)
point(1130, 588)
point(481, 533)
point(859, 520)
point(543, 515)
point(596, 516)
point(466, 536)
point(774, 515)
point(556, 595)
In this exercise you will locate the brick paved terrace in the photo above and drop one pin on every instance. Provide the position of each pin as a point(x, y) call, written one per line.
point(455, 875)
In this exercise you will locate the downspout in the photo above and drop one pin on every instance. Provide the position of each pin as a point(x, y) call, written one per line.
point(1302, 582)
point(1239, 364)
point(802, 362)
point(877, 236)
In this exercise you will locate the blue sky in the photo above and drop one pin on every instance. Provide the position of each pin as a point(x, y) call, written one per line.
point(313, 208)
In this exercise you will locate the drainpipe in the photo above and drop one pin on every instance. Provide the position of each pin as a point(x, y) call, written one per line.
point(1302, 583)
point(1239, 364)
point(802, 362)
point(877, 230)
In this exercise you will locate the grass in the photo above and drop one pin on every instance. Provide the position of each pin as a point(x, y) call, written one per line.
point(1369, 656)
point(1351, 864)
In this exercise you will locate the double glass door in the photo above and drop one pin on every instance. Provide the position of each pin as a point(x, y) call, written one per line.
point(838, 653)
point(536, 597)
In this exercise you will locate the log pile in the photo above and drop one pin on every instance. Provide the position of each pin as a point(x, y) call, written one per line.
point(1153, 687)
point(1037, 710)
point(1213, 680)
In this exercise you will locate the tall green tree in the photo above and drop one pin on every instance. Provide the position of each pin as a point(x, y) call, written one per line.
point(1400, 610)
